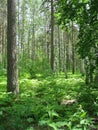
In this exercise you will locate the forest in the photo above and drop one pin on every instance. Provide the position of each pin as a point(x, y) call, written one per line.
point(48, 65)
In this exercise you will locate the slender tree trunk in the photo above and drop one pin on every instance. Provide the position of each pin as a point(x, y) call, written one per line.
point(65, 56)
point(48, 50)
point(1, 43)
point(4, 47)
point(33, 33)
point(73, 51)
point(82, 68)
point(22, 33)
point(52, 36)
point(18, 28)
point(33, 42)
point(28, 42)
point(12, 71)
point(67, 52)
point(59, 46)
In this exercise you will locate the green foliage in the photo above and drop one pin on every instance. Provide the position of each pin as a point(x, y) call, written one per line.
point(39, 105)
point(34, 69)
point(2, 83)
point(2, 71)
point(79, 120)
point(83, 14)
point(88, 99)
point(39, 68)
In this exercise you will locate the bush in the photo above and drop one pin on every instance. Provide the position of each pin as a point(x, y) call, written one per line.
point(39, 69)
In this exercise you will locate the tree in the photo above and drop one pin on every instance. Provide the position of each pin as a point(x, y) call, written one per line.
point(3, 34)
point(12, 71)
point(52, 35)
point(73, 51)
point(84, 15)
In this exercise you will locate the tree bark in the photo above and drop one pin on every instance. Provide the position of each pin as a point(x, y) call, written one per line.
point(82, 68)
point(59, 46)
point(73, 51)
point(12, 70)
point(1, 43)
point(52, 36)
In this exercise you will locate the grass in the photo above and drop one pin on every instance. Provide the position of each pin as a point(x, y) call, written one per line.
point(38, 105)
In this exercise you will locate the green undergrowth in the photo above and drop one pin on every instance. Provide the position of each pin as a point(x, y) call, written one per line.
point(39, 105)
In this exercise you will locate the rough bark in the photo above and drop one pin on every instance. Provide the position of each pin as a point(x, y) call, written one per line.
point(12, 71)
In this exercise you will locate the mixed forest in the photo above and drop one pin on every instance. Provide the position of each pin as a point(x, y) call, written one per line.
point(48, 65)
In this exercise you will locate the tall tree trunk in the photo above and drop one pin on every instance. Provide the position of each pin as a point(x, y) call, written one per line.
point(67, 52)
point(65, 56)
point(22, 32)
point(33, 42)
point(29, 33)
point(4, 46)
point(1, 43)
point(18, 28)
point(59, 46)
point(12, 71)
point(73, 51)
point(52, 36)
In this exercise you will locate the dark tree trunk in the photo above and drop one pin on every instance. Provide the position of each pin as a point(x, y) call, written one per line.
point(52, 36)
point(12, 71)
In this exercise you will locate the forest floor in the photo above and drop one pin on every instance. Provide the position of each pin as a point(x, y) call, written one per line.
point(51, 103)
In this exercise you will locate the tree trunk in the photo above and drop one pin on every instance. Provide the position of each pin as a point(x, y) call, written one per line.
point(52, 36)
point(33, 42)
point(82, 68)
point(59, 46)
point(65, 56)
point(67, 52)
point(1, 43)
point(73, 51)
point(12, 71)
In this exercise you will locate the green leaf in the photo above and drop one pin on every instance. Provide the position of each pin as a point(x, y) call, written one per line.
point(83, 115)
point(1, 113)
point(52, 114)
point(43, 122)
point(85, 1)
point(30, 120)
point(53, 125)
point(60, 124)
